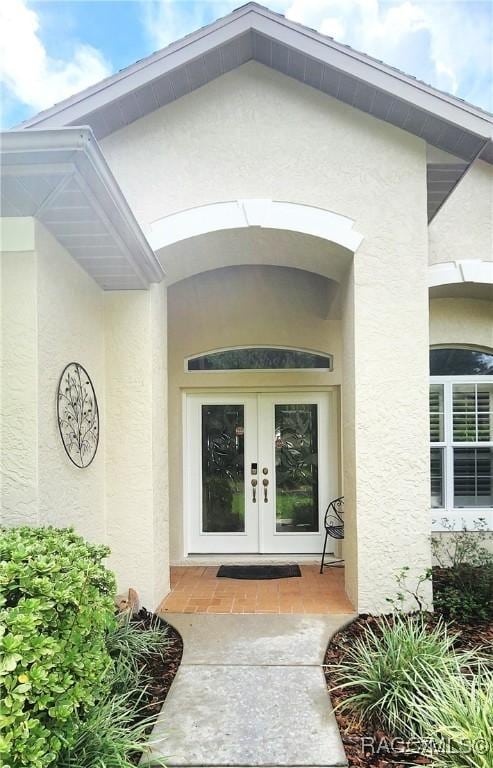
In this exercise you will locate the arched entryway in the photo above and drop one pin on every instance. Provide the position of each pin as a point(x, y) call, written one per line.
point(291, 319)
point(251, 273)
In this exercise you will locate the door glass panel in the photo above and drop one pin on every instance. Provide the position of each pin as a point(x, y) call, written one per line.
point(223, 472)
point(296, 448)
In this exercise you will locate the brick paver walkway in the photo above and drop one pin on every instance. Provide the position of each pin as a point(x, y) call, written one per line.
point(195, 589)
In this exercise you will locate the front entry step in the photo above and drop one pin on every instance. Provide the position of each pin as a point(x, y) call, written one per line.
point(259, 712)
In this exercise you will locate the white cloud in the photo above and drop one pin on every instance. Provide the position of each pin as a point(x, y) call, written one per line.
point(333, 27)
point(168, 20)
point(448, 43)
point(29, 73)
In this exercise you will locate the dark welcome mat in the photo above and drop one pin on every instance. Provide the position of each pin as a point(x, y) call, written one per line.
point(258, 571)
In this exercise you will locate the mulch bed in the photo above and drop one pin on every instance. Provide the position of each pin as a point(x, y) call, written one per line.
point(161, 671)
point(352, 731)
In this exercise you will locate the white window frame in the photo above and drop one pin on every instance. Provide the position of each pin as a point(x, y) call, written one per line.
point(449, 517)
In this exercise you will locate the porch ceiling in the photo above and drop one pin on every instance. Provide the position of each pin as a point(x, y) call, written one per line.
point(61, 178)
point(481, 291)
point(239, 247)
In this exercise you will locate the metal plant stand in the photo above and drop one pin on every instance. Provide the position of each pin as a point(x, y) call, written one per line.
point(334, 527)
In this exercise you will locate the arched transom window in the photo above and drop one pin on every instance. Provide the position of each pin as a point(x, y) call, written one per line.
point(461, 436)
point(260, 358)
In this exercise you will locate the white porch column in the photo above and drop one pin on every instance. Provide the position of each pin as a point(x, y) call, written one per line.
point(136, 441)
point(385, 419)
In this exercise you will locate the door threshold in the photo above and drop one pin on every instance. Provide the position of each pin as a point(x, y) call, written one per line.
point(253, 559)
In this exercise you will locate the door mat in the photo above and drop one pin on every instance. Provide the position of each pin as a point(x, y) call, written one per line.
point(258, 571)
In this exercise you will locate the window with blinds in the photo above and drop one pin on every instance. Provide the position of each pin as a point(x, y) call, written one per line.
point(472, 423)
point(436, 413)
point(471, 407)
point(461, 430)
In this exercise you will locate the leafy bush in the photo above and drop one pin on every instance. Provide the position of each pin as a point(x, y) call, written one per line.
point(465, 593)
point(463, 579)
point(56, 605)
point(454, 711)
point(384, 665)
point(115, 730)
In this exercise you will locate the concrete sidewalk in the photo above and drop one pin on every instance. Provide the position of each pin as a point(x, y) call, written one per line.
point(251, 692)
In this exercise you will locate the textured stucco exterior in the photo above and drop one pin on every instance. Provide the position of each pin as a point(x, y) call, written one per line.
point(44, 329)
point(136, 440)
point(205, 148)
point(459, 321)
point(317, 151)
point(53, 313)
point(255, 135)
point(70, 328)
point(463, 227)
point(19, 375)
point(348, 411)
point(391, 485)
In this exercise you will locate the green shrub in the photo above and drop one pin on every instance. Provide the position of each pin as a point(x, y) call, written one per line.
point(465, 593)
point(115, 731)
point(454, 711)
point(383, 666)
point(56, 605)
point(463, 578)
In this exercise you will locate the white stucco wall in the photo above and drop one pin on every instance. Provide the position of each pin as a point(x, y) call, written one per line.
point(136, 441)
point(52, 314)
point(70, 328)
point(205, 148)
point(461, 321)
point(350, 546)
point(391, 412)
point(463, 228)
point(19, 373)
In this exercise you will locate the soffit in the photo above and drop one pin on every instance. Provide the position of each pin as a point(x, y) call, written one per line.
point(61, 178)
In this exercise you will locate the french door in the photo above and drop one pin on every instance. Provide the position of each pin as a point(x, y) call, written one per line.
point(260, 470)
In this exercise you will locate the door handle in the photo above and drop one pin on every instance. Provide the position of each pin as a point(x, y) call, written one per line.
point(254, 490)
point(265, 483)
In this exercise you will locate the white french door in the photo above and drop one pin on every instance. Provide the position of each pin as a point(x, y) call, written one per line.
point(260, 470)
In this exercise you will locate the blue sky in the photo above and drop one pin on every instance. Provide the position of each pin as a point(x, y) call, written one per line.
point(50, 49)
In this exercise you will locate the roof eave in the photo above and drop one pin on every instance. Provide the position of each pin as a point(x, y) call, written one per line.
point(262, 20)
point(50, 146)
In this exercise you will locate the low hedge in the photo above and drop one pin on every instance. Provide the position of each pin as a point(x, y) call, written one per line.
point(56, 606)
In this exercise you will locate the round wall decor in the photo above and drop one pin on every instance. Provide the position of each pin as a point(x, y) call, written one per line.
point(78, 415)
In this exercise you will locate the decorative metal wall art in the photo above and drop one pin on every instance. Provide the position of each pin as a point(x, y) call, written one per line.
point(78, 415)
